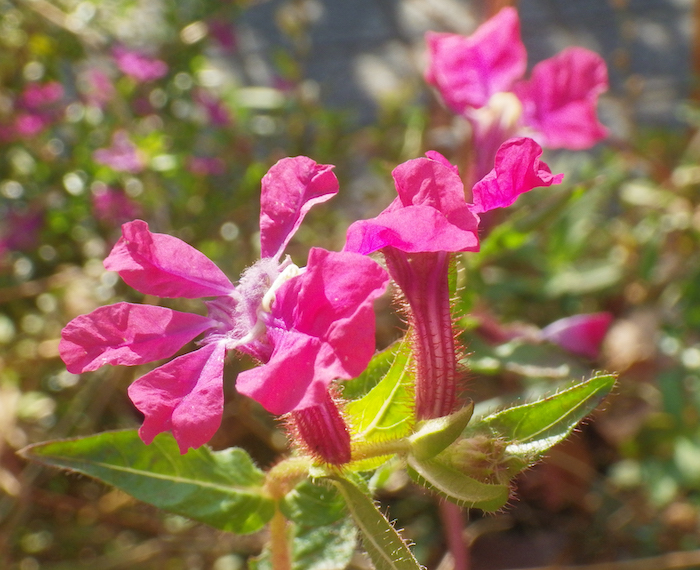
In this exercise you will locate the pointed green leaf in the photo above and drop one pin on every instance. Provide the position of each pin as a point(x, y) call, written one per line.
point(313, 504)
point(386, 411)
point(456, 486)
point(434, 435)
point(532, 429)
point(324, 547)
point(219, 488)
point(383, 543)
point(375, 371)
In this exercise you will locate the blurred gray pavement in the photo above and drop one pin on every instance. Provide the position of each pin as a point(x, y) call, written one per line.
point(361, 51)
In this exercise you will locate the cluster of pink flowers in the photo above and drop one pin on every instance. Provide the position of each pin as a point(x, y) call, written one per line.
point(480, 77)
point(307, 326)
point(36, 108)
point(138, 65)
point(310, 326)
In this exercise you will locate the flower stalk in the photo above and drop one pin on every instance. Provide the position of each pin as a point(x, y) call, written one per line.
point(280, 547)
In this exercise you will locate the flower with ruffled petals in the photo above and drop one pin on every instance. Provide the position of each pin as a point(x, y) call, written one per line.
point(481, 78)
point(306, 326)
point(418, 231)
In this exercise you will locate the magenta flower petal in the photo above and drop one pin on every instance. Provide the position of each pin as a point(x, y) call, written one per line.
point(184, 396)
point(165, 266)
point(430, 213)
point(288, 380)
point(322, 328)
point(126, 334)
point(580, 334)
point(412, 229)
point(468, 70)
point(517, 169)
point(559, 100)
point(289, 190)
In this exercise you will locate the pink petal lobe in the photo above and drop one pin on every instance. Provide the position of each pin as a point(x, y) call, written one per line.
point(163, 265)
point(517, 169)
point(430, 213)
point(468, 70)
point(560, 99)
point(323, 328)
point(580, 334)
point(126, 334)
point(184, 396)
point(412, 229)
point(288, 380)
point(289, 190)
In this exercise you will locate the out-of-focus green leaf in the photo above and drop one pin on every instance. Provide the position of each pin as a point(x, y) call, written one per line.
point(323, 547)
point(532, 429)
point(386, 548)
point(544, 360)
point(596, 276)
point(313, 504)
point(219, 488)
point(454, 485)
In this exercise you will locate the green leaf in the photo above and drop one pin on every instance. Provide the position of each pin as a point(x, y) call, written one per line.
point(220, 488)
point(433, 436)
point(532, 429)
point(456, 486)
point(313, 504)
point(375, 371)
point(324, 547)
point(385, 547)
point(386, 411)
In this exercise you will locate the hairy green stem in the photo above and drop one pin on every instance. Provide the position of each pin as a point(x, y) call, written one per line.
point(280, 546)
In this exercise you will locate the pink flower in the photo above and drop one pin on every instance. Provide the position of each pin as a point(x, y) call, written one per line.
point(307, 326)
point(580, 334)
point(35, 110)
point(138, 65)
point(29, 125)
point(122, 156)
point(481, 78)
point(37, 96)
point(417, 232)
point(113, 206)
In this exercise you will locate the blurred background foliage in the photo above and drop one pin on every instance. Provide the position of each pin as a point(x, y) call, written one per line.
point(123, 109)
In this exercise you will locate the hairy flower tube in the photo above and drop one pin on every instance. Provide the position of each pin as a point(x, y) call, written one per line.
point(417, 232)
point(306, 326)
point(481, 78)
